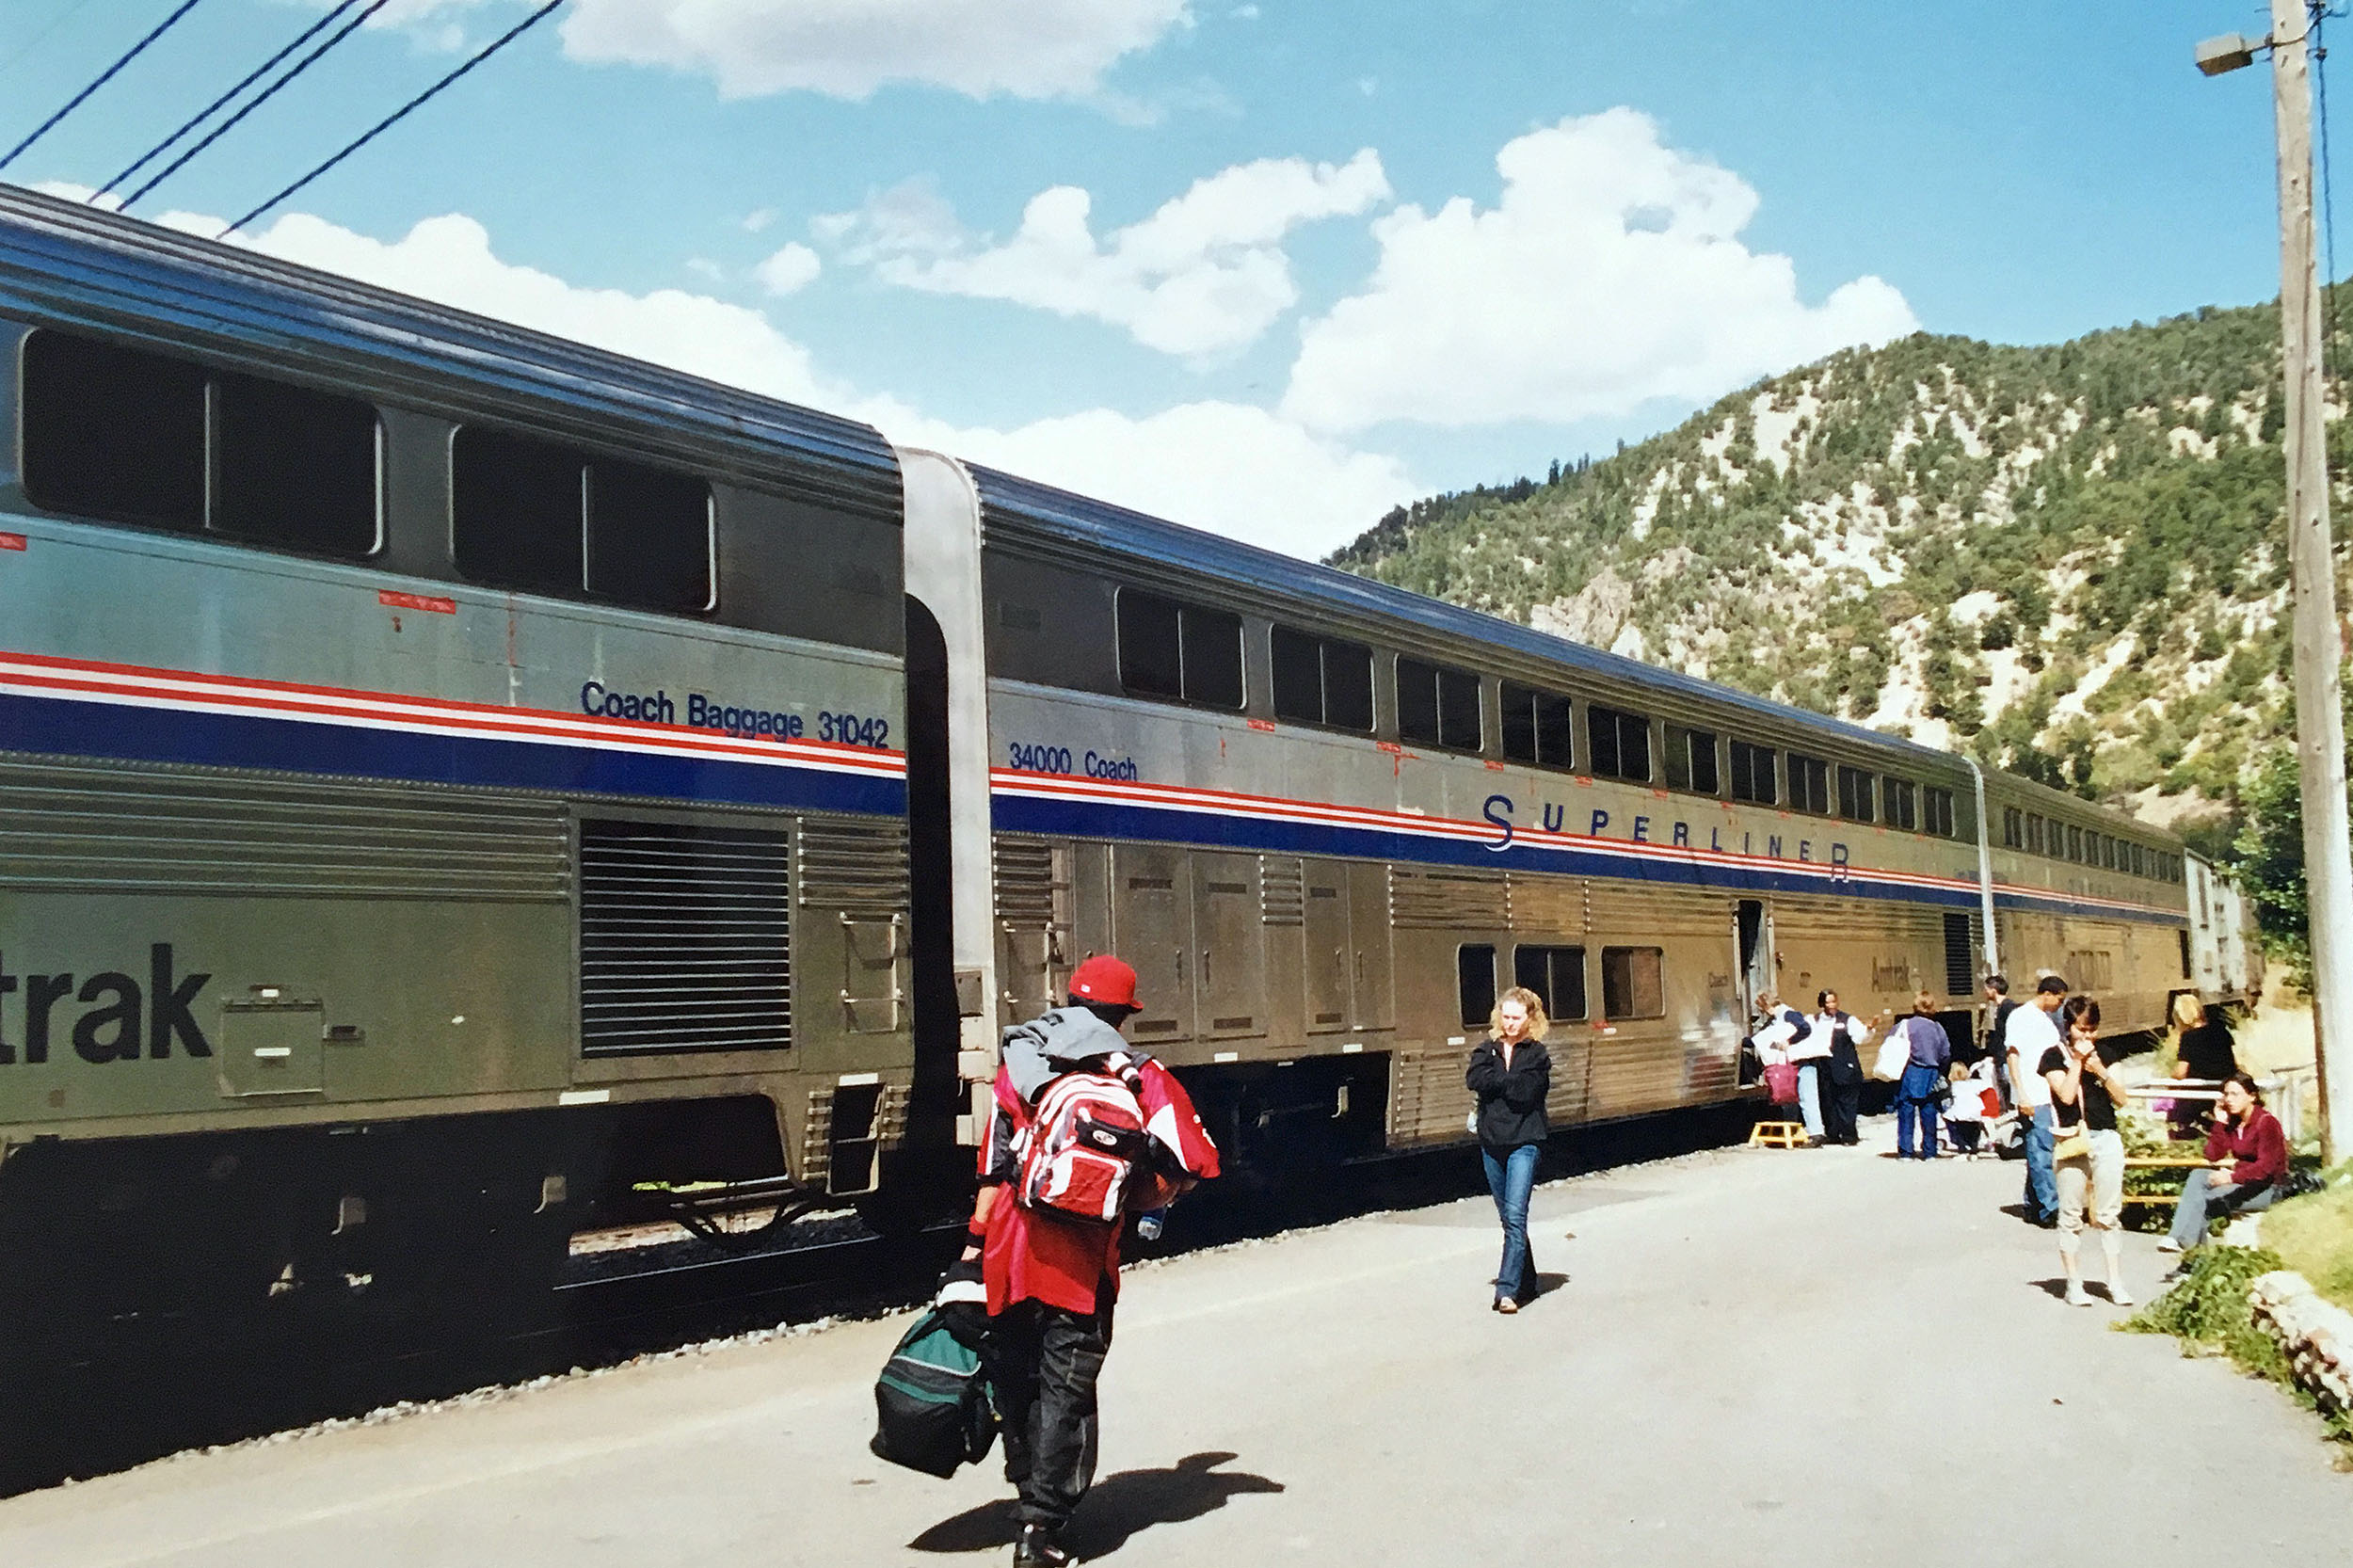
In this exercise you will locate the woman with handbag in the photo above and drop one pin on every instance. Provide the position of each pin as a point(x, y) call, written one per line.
point(1511, 1073)
point(2087, 1153)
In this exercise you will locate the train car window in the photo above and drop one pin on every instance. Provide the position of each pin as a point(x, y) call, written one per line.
point(1211, 643)
point(515, 513)
point(1348, 686)
point(1631, 986)
point(2074, 842)
point(1296, 663)
point(1151, 654)
point(1752, 774)
point(2138, 863)
point(1322, 682)
point(1555, 974)
point(2107, 850)
point(112, 433)
point(1620, 744)
point(1855, 794)
point(294, 466)
point(1475, 982)
point(1416, 702)
point(1939, 811)
point(649, 537)
point(1537, 727)
point(1691, 760)
point(1460, 726)
point(2014, 828)
point(1809, 784)
point(1437, 707)
point(1900, 804)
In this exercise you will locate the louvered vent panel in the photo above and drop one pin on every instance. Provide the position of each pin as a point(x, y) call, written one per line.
point(126, 828)
point(1547, 906)
point(1282, 891)
point(859, 866)
point(1656, 909)
point(1879, 919)
point(1025, 881)
point(1446, 900)
point(684, 939)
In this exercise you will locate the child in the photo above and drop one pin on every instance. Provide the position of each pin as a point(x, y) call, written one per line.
point(1975, 1105)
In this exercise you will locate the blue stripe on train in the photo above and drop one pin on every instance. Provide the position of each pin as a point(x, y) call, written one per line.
point(1063, 817)
point(68, 728)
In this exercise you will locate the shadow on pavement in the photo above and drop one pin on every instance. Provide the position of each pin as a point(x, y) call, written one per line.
point(1115, 1509)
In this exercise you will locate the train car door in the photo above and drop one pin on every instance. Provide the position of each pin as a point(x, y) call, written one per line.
point(1229, 946)
point(1330, 962)
point(1152, 929)
point(1373, 996)
point(1753, 935)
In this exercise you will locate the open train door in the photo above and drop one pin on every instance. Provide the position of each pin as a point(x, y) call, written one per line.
point(1753, 930)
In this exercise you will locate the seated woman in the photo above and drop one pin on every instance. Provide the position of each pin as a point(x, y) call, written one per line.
point(2254, 1151)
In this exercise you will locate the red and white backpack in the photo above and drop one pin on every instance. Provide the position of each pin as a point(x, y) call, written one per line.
point(1082, 1148)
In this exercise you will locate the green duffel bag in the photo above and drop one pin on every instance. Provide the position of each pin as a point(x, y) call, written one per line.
point(932, 1405)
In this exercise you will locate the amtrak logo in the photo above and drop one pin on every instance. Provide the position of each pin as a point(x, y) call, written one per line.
point(117, 1021)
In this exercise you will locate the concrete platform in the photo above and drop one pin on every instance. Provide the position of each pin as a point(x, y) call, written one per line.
point(1757, 1358)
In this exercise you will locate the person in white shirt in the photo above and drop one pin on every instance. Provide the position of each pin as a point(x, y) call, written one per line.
point(1842, 1036)
point(2032, 1031)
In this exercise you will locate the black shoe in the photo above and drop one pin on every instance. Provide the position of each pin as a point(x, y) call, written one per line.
point(1038, 1545)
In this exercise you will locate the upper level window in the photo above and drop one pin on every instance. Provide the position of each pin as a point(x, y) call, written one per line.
point(1178, 651)
point(127, 436)
point(2014, 828)
point(2034, 834)
point(1437, 707)
point(1317, 681)
point(1620, 744)
point(1809, 784)
point(2074, 842)
point(1691, 760)
point(1752, 774)
point(1537, 727)
point(1938, 805)
point(1855, 794)
point(1900, 804)
point(2107, 850)
point(540, 517)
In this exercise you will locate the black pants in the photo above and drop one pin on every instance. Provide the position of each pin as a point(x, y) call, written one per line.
point(1043, 1362)
point(1841, 1104)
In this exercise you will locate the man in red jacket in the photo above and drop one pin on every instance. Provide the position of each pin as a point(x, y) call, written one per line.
point(1049, 1279)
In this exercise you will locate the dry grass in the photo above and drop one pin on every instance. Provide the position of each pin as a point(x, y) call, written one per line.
point(2314, 1235)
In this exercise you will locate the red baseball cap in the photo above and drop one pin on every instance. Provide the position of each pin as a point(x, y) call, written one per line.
point(1105, 981)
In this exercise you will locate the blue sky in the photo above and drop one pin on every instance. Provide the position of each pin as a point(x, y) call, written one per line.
point(1252, 266)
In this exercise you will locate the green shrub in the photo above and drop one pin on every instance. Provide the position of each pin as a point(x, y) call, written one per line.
point(2208, 1311)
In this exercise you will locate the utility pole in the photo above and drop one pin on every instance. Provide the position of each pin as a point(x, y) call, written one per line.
point(2318, 648)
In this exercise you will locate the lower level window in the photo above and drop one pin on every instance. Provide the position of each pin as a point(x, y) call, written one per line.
point(1475, 982)
point(1557, 975)
point(1632, 986)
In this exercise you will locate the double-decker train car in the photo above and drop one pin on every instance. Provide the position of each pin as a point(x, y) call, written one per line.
point(450, 782)
point(1328, 820)
point(458, 788)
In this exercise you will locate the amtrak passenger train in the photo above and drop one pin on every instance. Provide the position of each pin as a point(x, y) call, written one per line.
point(458, 788)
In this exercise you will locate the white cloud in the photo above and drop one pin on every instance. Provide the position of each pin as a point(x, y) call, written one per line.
point(758, 220)
point(789, 270)
point(1612, 272)
point(851, 48)
point(1204, 274)
point(1239, 470)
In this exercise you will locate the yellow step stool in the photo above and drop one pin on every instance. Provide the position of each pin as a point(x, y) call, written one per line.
point(1777, 1135)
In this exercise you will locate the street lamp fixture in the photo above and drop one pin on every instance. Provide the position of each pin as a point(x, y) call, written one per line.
point(2230, 51)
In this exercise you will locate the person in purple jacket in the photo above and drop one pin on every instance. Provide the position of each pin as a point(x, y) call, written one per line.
point(1923, 1081)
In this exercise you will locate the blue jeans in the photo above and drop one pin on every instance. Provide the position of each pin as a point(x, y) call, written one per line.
point(2200, 1206)
point(2041, 1181)
point(1915, 1102)
point(1810, 1097)
point(1512, 1176)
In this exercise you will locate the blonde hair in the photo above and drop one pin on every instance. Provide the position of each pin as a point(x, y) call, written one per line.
point(1537, 1022)
point(2188, 1012)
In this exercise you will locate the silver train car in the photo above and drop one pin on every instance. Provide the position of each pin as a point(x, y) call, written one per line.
point(458, 788)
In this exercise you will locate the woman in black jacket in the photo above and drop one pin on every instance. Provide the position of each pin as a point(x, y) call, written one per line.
point(1510, 1072)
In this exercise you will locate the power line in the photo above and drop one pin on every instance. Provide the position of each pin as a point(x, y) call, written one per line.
point(254, 103)
point(103, 79)
point(398, 114)
point(209, 109)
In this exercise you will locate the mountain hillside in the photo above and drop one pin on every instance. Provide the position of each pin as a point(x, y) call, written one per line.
point(2069, 561)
